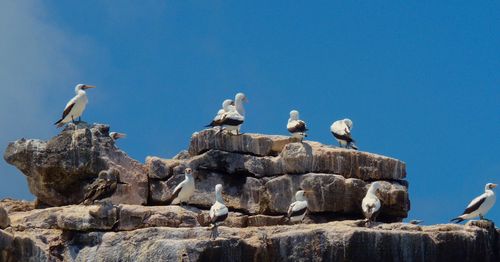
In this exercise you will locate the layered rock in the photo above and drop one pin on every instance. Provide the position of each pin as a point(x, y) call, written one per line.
point(59, 170)
point(333, 241)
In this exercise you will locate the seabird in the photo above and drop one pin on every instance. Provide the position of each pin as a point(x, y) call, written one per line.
point(75, 107)
point(232, 120)
point(226, 106)
point(298, 209)
point(104, 186)
point(238, 104)
point(371, 204)
point(296, 126)
point(480, 205)
point(341, 130)
point(184, 190)
point(415, 221)
point(116, 135)
point(218, 211)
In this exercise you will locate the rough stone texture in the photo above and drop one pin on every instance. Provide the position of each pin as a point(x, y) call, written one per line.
point(264, 155)
point(334, 241)
point(4, 218)
point(253, 144)
point(330, 193)
point(58, 170)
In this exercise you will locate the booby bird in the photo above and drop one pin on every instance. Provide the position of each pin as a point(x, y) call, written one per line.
point(75, 107)
point(480, 205)
point(298, 209)
point(226, 106)
point(116, 135)
point(218, 212)
point(232, 120)
point(341, 130)
point(184, 190)
point(238, 104)
point(104, 186)
point(296, 126)
point(371, 204)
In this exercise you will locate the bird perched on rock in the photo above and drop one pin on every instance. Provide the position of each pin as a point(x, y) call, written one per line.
point(75, 107)
point(298, 209)
point(116, 135)
point(218, 212)
point(232, 121)
point(480, 205)
point(184, 190)
point(239, 99)
point(371, 204)
point(296, 126)
point(104, 186)
point(226, 105)
point(341, 130)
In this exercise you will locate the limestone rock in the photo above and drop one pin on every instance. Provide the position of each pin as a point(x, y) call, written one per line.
point(253, 144)
point(12, 205)
point(59, 170)
point(4, 218)
point(334, 241)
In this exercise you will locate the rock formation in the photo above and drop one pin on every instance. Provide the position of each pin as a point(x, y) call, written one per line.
point(260, 175)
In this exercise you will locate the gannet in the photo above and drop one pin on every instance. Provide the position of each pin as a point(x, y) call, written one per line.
point(371, 204)
point(296, 126)
point(75, 107)
point(238, 104)
point(341, 130)
point(116, 135)
point(232, 120)
point(298, 209)
point(184, 190)
point(226, 106)
point(480, 205)
point(218, 211)
point(104, 186)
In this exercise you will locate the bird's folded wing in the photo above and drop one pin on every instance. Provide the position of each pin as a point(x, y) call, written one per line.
point(475, 204)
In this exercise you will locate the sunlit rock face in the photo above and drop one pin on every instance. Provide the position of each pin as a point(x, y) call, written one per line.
point(60, 170)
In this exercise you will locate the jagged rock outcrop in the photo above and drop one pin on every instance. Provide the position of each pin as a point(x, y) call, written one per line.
point(152, 234)
point(59, 170)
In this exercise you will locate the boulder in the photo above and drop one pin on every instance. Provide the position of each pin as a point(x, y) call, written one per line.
point(59, 170)
point(4, 218)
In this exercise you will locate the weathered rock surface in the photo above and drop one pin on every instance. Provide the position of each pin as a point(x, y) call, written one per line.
point(330, 193)
point(264, 155)
point(4, 218)
point(334, 241)
point(59, 170)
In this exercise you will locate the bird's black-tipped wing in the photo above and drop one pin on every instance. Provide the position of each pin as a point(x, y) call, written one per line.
point(475, 205)
point(299, 127)
point(175, 194)
point(217, 219)
point(65, 113)
point(228, 121)
point(99, 190)
point(347, 137)
point(298, 212)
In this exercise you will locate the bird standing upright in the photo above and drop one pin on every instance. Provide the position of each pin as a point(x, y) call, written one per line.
point(298, 209)
point(238, 104)
point(371, 204)
point(341, 130)
point(480, 205)
point(75, 107)
point(226, 106)
point(218, 212)
point(296, 126)
point(184, 190)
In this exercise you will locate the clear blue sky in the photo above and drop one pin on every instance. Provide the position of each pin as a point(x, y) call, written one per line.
point(419, 79)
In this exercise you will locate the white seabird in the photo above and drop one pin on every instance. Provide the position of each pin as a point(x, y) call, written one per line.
point(238, 104)
point(226, 107)
point(298, 209)
point(232, 120)
point(296, 126)
point(184, 190)
point(480, 205)
point(371, 204)
point(75, 107)
point(218, 211)
point(341, 130)
point(116, 135)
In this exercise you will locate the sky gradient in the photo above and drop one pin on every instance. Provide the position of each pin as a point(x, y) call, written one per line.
point(419, 80)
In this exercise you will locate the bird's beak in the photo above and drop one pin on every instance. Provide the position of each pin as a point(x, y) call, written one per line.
point(308, 192)
point(120, 135)
point(88, 87)
point(494, 185)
